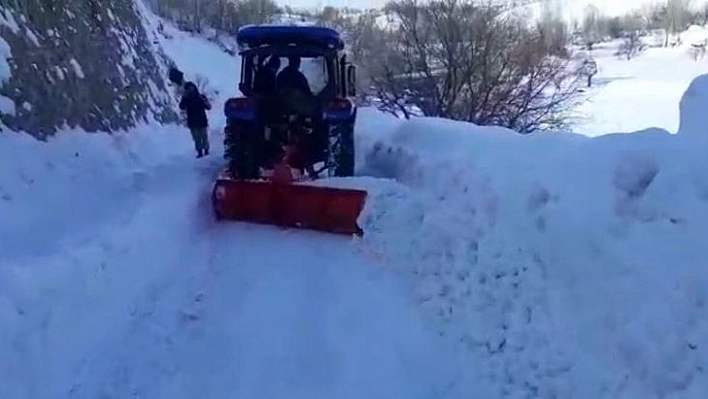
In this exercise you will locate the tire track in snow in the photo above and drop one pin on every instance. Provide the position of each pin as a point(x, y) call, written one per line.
point(307, 320)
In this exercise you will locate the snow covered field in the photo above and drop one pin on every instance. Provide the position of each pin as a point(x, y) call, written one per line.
point(643, 92)
point(493, 265)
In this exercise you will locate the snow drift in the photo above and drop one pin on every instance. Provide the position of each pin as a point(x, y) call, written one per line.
point(70, 274)
point(694, 118)
point(571, 266)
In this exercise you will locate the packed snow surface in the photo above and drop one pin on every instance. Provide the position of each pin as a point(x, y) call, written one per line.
point(493, 265)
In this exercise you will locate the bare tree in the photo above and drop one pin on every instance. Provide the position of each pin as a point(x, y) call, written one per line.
point(553, 29)
point(702, 15)
point(677, 17)
point(591, 26)
point(652, 15)
point(631, 46)
point(468, 61)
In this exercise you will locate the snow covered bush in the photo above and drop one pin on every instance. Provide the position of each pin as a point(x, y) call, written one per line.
point(85, 66)
point(631, 46)
point(697, 51)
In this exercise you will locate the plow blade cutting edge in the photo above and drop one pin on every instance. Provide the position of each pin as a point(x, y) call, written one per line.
point(328, 209)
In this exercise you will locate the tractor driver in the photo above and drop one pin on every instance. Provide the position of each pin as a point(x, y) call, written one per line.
point(291, 77)
point(297, 98)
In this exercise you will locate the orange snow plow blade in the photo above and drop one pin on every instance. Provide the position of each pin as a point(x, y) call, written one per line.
point(327, 209)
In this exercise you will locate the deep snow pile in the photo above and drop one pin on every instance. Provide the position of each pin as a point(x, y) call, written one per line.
point(571, 266)
point(70, 276)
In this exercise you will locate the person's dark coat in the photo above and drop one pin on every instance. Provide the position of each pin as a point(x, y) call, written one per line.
point(294, 91)
point(265, 78)
point(290, 78)
point(195, 105)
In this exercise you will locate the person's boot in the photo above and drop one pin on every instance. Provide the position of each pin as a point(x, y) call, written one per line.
point(206, 151)
point(200, 154)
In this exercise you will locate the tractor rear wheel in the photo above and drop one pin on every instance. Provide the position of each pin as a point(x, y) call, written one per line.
point(241, 150)
point(343, 153)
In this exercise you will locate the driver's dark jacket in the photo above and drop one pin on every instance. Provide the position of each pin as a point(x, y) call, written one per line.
point(292, 78)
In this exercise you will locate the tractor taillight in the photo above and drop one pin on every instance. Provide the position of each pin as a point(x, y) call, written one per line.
point(238, 104)
point(339, 104)
point(220, 193)
point(239, 109)
point(241, 103)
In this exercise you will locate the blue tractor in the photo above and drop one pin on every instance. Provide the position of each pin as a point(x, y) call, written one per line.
point(284, 114)
point(293, 124)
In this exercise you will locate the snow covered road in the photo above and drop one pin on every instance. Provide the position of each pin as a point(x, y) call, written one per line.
point(301, 320)
point(165, 302)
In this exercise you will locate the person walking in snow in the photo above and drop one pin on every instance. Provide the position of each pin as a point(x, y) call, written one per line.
point(195, 105)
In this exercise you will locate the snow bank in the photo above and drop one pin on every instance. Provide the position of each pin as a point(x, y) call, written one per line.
point(694, 35)
point(571, 266)
point(72, 279)
point(694, 102)
point(70, 213)
point(41, 176)
point(71, 210)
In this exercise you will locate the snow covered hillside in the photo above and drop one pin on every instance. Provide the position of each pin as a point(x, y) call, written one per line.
point(90, 67)
point(493, 264)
